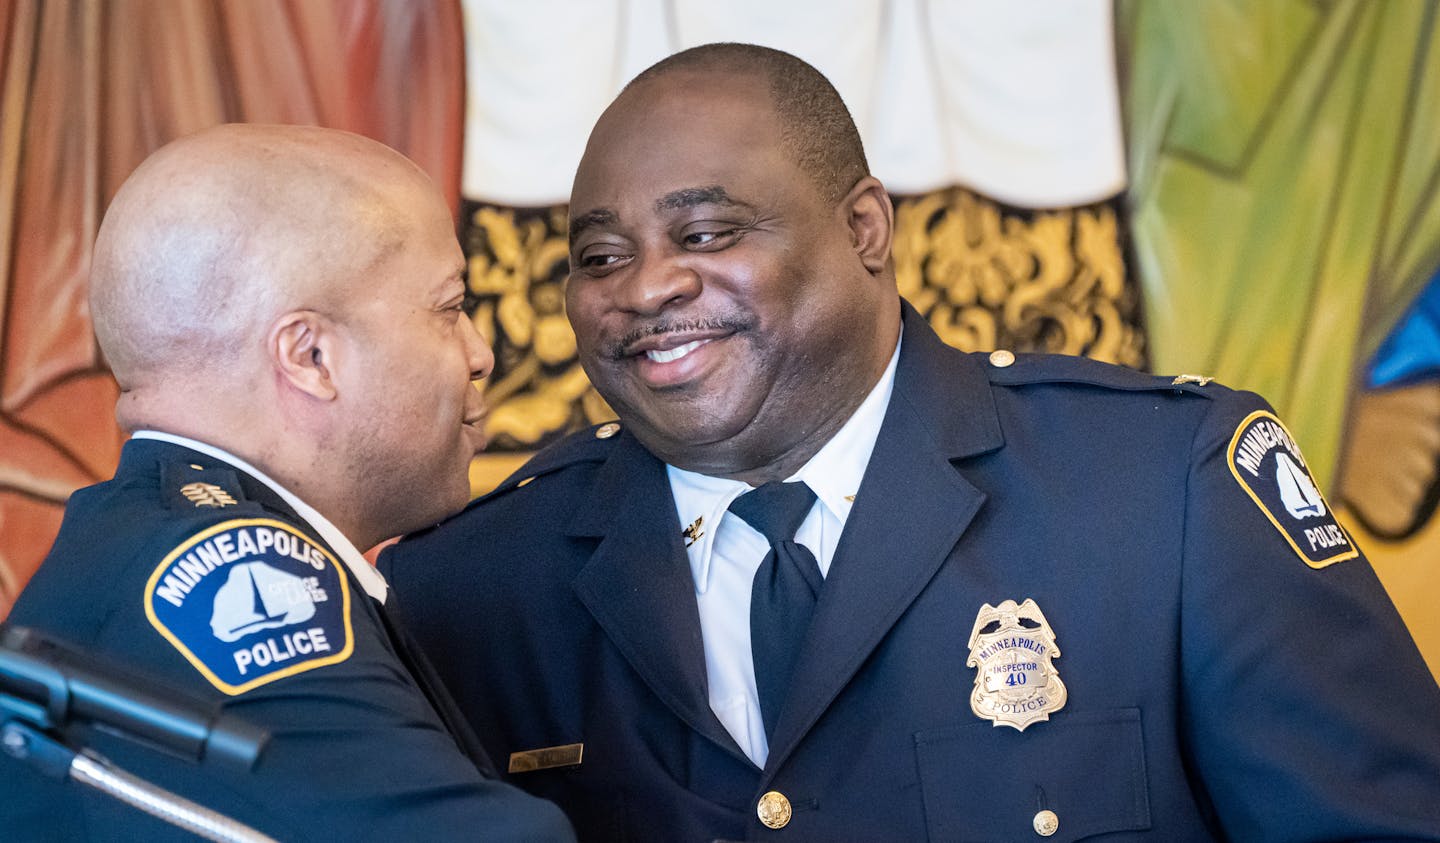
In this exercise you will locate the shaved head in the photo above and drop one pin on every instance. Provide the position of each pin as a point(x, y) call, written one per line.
point(219, 231)
point(816, 129)
point(293, 296)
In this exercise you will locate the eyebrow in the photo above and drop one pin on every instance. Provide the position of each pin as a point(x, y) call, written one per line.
point(689, 197)
point(447, 287)
point(589, 219)
point(686, 197)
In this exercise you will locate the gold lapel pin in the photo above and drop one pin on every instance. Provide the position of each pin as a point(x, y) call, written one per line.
point(693, 533)
point(1198, 380)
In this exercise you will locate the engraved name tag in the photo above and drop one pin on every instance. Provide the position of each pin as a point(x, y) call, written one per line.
point(546, 757)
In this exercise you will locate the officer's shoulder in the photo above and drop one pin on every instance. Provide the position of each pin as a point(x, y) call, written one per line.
point(175, 498)
point(587, 447)
point(187, 496)
point(117, 533)
point(1004, 368)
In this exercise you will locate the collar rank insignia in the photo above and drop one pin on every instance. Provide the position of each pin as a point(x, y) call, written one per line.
point(1198, 380)
point(693, 533)
point(1011, 648)
point(1267, 464)
point(206, 494)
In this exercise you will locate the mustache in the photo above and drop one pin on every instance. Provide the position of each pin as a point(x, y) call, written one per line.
point(732, 323)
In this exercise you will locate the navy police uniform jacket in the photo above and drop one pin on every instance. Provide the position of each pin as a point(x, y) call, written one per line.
point(1231, 667)
point(184, 569)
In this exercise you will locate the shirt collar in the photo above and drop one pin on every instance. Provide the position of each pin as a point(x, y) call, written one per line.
point(701, 501)
point(834, 474)
point(371, 580)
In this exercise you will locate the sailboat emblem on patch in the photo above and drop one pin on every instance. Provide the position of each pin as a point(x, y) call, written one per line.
point(250, 601)
point(1268, 465)
point(1011, 648)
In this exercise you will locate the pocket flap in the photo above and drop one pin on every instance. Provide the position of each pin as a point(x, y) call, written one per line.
point(987, 783)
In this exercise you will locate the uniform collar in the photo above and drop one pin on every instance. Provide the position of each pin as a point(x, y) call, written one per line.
point(371, 580)
point(834, 474)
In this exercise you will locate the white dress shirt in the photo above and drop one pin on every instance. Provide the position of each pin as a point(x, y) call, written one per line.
point(360, 568)
point(724, 558)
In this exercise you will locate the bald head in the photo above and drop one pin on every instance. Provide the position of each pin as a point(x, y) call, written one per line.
point(816, 129)
point(219, 231)
point(294, 297)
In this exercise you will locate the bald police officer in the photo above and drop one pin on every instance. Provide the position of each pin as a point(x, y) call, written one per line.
point(281, 309)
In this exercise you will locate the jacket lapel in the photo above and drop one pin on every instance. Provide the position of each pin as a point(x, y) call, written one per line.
point(911, 510)
point(638, 585)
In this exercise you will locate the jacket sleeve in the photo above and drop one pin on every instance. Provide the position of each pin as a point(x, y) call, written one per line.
point(356, 751)
point(1307, 710)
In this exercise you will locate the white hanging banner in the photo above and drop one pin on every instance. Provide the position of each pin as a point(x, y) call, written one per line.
point(1017, 100)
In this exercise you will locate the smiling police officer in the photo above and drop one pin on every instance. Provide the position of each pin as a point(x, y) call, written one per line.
point(829, 579)
point(281, 308)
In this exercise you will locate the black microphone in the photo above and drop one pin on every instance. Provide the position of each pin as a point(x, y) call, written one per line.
point(51, 686)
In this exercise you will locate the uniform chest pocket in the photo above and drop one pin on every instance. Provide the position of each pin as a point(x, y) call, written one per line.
point(985, 784)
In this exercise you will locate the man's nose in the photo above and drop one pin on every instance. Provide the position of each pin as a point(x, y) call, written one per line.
point(477, 352)
point(659, 282)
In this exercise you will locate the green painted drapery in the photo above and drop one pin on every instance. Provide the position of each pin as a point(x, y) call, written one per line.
point(1284, 159)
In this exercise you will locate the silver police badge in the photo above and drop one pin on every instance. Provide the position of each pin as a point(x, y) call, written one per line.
point(1015, 683)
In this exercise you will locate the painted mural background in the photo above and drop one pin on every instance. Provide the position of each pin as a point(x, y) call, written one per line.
point(1285, 210)
point(1248, 189)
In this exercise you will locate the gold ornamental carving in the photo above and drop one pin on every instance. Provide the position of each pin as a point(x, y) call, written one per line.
point(987, 276)
point(517, 266)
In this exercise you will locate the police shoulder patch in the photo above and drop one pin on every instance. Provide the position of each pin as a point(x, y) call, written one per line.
point(251, 600)
point(1268, 465)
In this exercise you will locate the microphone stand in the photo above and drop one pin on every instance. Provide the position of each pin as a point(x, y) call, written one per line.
point(46, 754)
point(43, 687)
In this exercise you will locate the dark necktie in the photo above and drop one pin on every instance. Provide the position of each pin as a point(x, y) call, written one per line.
point(782, 597)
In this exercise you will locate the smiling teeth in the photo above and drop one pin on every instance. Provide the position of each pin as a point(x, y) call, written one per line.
point(674, 353)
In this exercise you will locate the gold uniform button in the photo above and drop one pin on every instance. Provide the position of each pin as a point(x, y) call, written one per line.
point(1002, 358)
point(1046, 823)
point(607, 430)
point(774, 810)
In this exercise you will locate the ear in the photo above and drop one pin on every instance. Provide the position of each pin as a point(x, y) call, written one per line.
point(871, 218)
point(302, 345)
